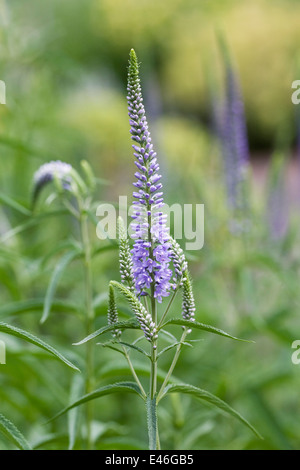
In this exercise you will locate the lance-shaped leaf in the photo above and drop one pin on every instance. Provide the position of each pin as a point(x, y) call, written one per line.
point(73, 417)
point(118, 387)
point(202, 326)
point(121, 325)
point(171, 346)
point(136, 348)
point(12, 433)
point(22, 334)
point(8, 201)
point(210, 398)
point(117, 368)
point(35, 305)
point(60, 267)
point(31, 222)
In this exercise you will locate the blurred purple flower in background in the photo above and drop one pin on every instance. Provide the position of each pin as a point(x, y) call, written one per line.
point(231, 128)
point(277, 204)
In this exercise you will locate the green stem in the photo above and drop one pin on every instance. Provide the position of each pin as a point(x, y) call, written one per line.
point(134, 372)
point(146, 303)
point(153, 374)
point(90, 315)
point(168, 307)
point(157, 440)
point(153, 370)
point(173, 364)
point(71, 209)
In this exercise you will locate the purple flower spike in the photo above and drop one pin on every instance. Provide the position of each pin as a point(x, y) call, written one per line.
point(151, 250)
point(235, 141)
point(230, 123)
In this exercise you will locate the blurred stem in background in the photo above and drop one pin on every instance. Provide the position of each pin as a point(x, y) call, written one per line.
point(76, 196)
point(90, 316)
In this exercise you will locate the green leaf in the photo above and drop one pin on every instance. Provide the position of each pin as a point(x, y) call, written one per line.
point(130, 324)
point(60, 267)
point(210, 398)
point(273, 426)
point(73, 416)
point(120, 368)
point(102, 249)
point(168, 336)
point(30, 223)
point(121, 443)
point(89, 174)
point(171, 346)
point(33, 305)
point(140, 350)
point(9, 430)
point(23, 147)
point(110, 345)
point(18, 229)
point(92, 216)
point(52, 438)
point(118, 387)
point(78, 180)
point(8, 201)
point(151, 421)
point(63, 246)
point(22, 334)
point(202, 326)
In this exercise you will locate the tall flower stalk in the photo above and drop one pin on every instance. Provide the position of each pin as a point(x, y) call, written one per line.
point(150, 253)
point(151, 270)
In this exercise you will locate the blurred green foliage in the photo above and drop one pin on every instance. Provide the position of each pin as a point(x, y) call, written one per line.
point(64, 65)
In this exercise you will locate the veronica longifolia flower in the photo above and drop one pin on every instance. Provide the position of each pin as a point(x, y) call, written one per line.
point(112, 314)
point(188, 302)
point(48, 171)
point(179, 262)
point(126, 265)
point(150, 254)
point(144, 318)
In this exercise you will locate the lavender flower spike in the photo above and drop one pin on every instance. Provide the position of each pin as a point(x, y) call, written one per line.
point(143, 317)
point(150, 254)
point(125, 260)
point(188, 302)
point(179, 263)
point(112, 314)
